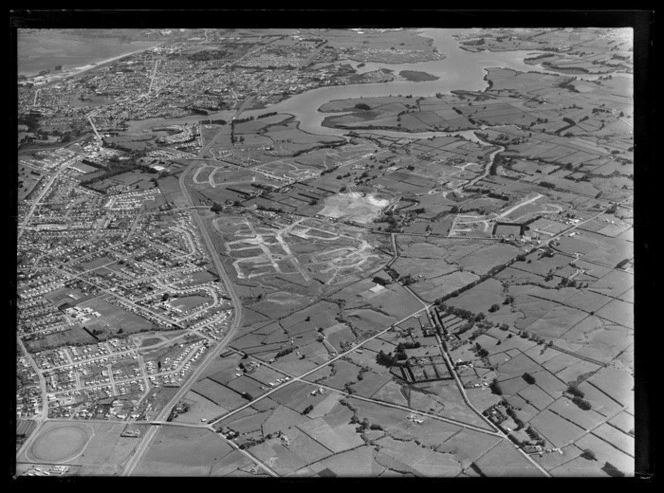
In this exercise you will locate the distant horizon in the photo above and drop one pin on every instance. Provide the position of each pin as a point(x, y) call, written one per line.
point(36, 53)
point(328, 252)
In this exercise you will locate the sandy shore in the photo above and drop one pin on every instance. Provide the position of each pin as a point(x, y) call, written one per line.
point(84, 68)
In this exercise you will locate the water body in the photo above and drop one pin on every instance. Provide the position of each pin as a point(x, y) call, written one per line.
point(44, 49)
point(460, 70)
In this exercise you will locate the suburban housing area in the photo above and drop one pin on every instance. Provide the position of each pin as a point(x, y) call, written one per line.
point(313, 253)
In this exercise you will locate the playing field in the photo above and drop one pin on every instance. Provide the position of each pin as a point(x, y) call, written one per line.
point(61, 443)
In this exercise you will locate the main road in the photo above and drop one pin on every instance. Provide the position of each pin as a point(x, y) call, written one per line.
point(235, 325)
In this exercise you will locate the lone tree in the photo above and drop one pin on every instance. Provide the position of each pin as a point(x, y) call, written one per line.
point(588, 454)
point(307, 409)
point(494, 308)
point(612, 470)
point(529, 378)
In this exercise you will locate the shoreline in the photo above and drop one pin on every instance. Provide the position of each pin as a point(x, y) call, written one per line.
point(65, 74)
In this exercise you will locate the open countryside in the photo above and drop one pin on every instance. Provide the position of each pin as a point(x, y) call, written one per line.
point(325, 252)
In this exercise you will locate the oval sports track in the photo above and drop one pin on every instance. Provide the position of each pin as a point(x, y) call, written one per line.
point(60, 443)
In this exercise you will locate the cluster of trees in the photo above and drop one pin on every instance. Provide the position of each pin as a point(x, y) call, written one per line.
point(113, 159)
point(330, 170)
point(263, 186)
point(567, 84)
point(116, 168)
point(388, 359)
point(534, 435)
point(362, 106)
point(477, 42)
point(265, 115)
point(365, 424)
point(464, 328)
point(380, 280)
point(180, 408)
point(512, 414)
point(363, 370)
point(30, 120)
point(407, 280)
point(481, 352)
point(199, 111)
point(498, 160)
point(460, 312)
point(571, 283)
point(494, 308)
point(612, 209)
point(253, 441)
point(330, 145)
point(268, 209)
point(582, 403)
point(214, 122)
point(392, 222)
point(284, 352)
point(495, 387)
point(532, 337)
point(307, 409)
point(242, 120)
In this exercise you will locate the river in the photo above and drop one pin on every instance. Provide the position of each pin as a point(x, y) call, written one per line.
point(460, 70)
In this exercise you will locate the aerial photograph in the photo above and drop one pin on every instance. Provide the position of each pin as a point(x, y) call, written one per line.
point(325, 252)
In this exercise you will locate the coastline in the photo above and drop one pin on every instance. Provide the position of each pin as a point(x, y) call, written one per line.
point(65, 74)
